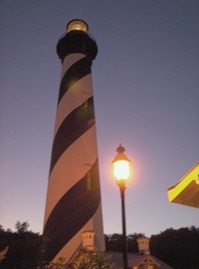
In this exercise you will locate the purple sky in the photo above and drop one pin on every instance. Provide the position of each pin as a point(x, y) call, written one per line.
point(145, 78)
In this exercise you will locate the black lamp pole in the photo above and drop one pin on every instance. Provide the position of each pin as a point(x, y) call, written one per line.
point(122, 191)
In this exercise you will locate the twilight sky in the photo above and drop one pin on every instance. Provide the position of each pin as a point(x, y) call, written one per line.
point(145, 80)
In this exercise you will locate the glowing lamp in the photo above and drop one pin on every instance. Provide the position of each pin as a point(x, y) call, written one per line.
point(121, 167)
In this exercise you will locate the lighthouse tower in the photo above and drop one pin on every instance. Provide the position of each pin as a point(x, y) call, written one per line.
point(73, 203)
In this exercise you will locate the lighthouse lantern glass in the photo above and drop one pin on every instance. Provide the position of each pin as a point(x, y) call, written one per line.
point(77, 25)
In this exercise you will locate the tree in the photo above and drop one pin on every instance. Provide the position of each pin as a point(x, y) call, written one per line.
point(132, 242)
point(178, 248)
point(59, 264)
point(91, 260)
point(84, 259)
point(114, 242)
point(23, 248)
point(22, 227)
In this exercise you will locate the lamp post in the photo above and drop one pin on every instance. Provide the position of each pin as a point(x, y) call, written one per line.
point(121, 172)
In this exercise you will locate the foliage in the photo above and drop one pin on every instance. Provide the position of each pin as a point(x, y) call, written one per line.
point(23, 249)
point(84, 259)
point(114, 242)
point(91, 260)
point(132, 242)
point(59, 264)
point(22, 227)
point(178, 248)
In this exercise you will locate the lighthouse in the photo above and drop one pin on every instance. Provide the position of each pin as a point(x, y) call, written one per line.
point(73, 204)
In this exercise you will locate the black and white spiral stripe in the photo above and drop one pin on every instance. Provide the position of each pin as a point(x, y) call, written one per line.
point(73, 200)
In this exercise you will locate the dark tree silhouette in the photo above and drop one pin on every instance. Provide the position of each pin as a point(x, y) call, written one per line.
point(114, 242)
point(22, 227)
point(23, 248)
point(132, 242)
point(178, 248)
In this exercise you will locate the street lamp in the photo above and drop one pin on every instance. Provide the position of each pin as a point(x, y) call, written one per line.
point(121, 172)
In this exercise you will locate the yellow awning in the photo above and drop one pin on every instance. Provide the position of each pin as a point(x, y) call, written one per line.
point(186, 191)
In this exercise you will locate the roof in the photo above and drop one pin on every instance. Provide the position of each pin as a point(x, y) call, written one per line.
point(186, 191)
point(138, 260)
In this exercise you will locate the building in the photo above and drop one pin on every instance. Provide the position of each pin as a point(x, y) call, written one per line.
point(186, 190)
point(73, 203)
point(141, 260)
